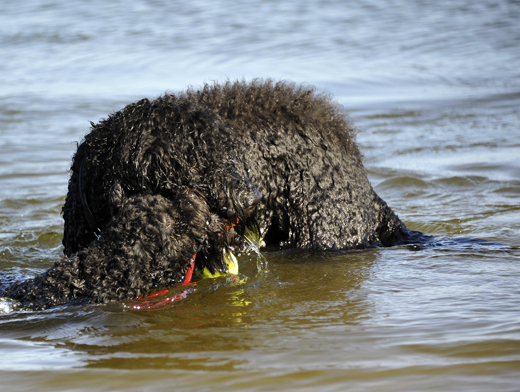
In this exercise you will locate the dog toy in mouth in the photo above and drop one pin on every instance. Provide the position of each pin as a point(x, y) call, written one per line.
point(232, 267)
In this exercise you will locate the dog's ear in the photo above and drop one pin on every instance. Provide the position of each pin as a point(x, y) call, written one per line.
point(116, 198)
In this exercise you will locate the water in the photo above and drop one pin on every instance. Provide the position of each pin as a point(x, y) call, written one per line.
point(254, 241)
point(434, 89)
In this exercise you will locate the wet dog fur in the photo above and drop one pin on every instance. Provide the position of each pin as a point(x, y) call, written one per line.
point(159, 181)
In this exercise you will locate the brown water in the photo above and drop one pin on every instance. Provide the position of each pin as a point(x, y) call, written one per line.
point(434, 90)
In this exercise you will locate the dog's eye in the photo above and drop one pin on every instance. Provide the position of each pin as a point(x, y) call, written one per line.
point(167, 221)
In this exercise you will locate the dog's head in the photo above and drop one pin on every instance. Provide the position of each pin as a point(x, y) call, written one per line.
point(173, 148)
point(229, 202)
point(221, 217)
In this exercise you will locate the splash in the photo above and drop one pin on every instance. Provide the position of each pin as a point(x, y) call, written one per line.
point(253, 238)
point(8, 305)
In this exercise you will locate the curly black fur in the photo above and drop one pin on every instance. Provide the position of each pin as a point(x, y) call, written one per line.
point(161, 180)
point(137, 251)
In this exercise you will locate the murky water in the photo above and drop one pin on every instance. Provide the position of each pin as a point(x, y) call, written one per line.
point(434, 88)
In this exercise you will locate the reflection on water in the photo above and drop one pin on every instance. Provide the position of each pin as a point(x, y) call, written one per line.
point(359, 312)
point(216, 317)
point(434, 90)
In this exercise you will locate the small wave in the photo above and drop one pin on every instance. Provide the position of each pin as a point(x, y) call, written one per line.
point(8, 305)
point(420, 241)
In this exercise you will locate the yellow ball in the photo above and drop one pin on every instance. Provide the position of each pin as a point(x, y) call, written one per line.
point(232, 267)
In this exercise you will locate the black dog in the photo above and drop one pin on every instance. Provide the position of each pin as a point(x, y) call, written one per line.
point(160, 181)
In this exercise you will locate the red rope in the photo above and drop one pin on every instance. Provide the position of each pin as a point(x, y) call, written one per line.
point(143, 304)
point(189, 273)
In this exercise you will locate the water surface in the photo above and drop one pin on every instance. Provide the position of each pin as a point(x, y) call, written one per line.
point(434, 90)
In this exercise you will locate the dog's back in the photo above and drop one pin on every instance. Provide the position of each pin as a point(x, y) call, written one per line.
point(300, 151)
